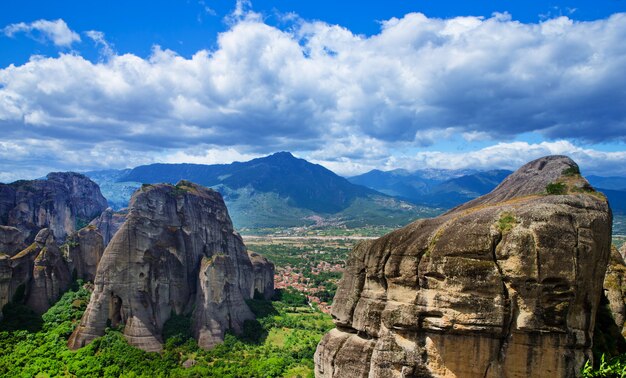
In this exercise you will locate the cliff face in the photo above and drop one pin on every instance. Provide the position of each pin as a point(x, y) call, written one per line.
point(60, 203)
point(108, 223)
point(36, 276)
point(615, 288)
point(84, 251)
point(177, 253)
point(506, 285)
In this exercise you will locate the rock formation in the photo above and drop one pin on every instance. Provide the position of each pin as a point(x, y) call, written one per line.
point(11, 240)
point(108, 223)
point(263, 276)
point(84, 251)
point(176, 253)
point(506, 285)
point(615, 288)
point(50, 277)
point(37, 275)
point(61, 203)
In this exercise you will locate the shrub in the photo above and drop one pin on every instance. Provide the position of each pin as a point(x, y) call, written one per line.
point(556, 188)
point(571, 171)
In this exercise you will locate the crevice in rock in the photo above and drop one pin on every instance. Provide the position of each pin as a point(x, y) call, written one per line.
point(509, 306)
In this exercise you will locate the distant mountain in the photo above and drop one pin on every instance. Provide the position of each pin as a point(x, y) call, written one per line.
point(305, 185)
point(277, 191)
point(439, 188)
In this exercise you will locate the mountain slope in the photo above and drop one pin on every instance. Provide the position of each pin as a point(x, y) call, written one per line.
point(279, 190)
point(439, 188)
point(305, 185)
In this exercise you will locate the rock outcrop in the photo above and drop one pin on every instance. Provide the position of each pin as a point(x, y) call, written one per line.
point(37, 275)
point(51, 276)
point(11, 240)
point(615, 288)
point(84, 251)
point(506, 285)
point(108, 223)
point(176, 253)
point(61, 203)
point(263, 276)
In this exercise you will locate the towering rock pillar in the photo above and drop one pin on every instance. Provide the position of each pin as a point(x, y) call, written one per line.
point(176, 253)
point(506, 285)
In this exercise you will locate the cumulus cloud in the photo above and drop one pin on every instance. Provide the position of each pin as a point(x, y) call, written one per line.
point(55, 31)
point(498, 156)
point(106, 49)
point(327, 92)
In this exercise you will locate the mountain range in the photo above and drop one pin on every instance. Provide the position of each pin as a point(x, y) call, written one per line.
point(278, 190)
point(281, 190)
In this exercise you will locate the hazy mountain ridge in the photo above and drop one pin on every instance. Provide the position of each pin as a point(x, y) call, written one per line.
point(449, 188)
point(279, 190)
point(438, 188)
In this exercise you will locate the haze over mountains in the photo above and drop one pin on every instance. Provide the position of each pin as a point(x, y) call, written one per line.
point(274, 191)
point(281, 190)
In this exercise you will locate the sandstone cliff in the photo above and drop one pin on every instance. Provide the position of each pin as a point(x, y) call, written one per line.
point(506, 285)
point(37, 275)
point(84, 250)
point(108, 223)
point(615, 288)
point(177, 253)
point(60, 203)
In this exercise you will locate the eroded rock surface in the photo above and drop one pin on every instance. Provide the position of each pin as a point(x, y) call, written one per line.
point(505, 286)
point(615, 288)
point(177, 253)
point(36, 276)
point(84, 251)
point(108, 223)
point(11, 240)
point(263, 276)
point(63, 202)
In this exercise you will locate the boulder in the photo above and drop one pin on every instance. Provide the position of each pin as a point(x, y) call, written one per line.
point(176, 253)
point(506, 285)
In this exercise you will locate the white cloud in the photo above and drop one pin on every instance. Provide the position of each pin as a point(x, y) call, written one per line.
point(332, 95)
point(55, 31)
point(106, 49)
point(498, 156)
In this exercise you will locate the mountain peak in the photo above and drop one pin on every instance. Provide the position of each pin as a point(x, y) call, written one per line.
point(282, 155)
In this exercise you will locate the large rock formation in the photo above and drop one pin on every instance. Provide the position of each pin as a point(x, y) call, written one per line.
point(11, 240)
point(108, 223)
point(64, 202)
point(505, 286)
point(263, 276)
point(615, 288)
point(177, 253)
point(37, 275)
point(84, 250)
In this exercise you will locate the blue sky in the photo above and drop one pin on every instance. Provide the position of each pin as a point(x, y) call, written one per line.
point(350, 85)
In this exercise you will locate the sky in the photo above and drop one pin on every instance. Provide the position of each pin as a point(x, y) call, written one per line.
point(354, 86)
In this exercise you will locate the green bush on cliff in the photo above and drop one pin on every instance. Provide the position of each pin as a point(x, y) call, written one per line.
point(556, 188)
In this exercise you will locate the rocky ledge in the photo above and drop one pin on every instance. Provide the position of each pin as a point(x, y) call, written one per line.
point(175, 253)
point(506, 285)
